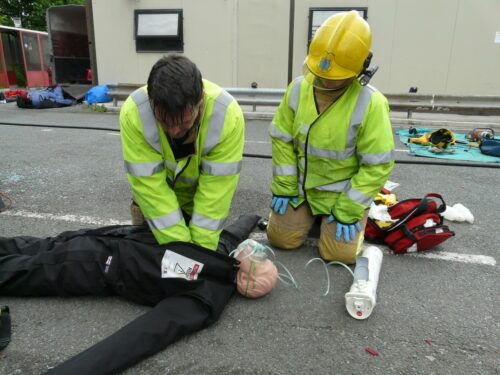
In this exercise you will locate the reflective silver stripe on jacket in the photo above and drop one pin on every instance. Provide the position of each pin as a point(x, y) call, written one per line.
point(338, 186)
point(171, 166)
point(279, 134)
point(358, 114)
point(326, 153)
point(221, 168)
point(301, 190)
point(148, 121)
point(293, 99)
point(358, 197)
point(301, 183)
point(207, 223)
point(217, 121)
point(284, 170)
point(143, 169)
point(166, 221)
point(187, 180)
point(380, 158)
point(356, 119)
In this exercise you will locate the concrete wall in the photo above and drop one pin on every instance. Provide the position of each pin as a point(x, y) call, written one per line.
point(233, 42)
point(263, 29)
point(440, 46)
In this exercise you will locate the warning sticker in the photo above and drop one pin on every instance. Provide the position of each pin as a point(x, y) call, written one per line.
point(177, 266)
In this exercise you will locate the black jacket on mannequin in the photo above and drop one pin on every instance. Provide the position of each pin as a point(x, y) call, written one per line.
point(189, 286)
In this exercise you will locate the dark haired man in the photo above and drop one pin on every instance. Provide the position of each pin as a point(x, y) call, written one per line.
point(182, 141)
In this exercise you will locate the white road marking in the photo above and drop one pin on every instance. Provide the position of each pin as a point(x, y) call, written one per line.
point(441, 255)
point(113, 133)
point(456, 257)
point(261, 142)
point(69, 218)
point(46, 130)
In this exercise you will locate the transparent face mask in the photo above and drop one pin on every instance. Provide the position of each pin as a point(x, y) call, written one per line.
point(325, 84)
point(258, 253)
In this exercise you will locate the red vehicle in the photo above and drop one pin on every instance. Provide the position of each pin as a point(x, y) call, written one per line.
point(24, 58)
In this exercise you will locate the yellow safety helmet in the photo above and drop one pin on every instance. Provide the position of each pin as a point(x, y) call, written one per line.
point(442, 138)
point(339, 49)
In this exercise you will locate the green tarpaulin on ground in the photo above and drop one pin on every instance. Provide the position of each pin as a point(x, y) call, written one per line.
point(461, 151)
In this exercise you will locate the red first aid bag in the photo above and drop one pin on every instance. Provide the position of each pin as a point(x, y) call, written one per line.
point(419, 225)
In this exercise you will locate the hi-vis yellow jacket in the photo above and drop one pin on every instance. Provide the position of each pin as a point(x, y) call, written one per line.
point(202, 184)
point(337, 161)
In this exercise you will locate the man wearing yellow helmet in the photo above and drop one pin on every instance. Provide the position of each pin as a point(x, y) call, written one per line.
point(332, 143)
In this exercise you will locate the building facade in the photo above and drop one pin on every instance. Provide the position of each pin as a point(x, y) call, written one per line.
point(440, 46)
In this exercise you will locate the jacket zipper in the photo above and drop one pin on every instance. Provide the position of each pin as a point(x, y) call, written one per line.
point(307, 139)
point(305, 156)
point(182, 170)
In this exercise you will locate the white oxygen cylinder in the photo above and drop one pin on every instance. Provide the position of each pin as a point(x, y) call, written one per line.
point(362, 297)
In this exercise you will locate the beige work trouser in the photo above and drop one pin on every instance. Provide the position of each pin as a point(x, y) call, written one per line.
point(290, 230)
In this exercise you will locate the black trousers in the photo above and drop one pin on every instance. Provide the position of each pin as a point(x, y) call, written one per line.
point(127, 261)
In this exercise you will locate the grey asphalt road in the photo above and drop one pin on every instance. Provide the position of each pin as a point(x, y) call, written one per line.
point(433, 316)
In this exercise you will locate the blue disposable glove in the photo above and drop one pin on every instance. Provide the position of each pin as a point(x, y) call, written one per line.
point(348, 230)
point(279, 204)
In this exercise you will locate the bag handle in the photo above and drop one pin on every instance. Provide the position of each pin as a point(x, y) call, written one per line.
point(422, 207)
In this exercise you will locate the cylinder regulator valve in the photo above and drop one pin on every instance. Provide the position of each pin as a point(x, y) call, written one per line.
point(362, 297)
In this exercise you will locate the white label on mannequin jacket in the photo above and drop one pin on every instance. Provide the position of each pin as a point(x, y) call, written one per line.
point(174, 265)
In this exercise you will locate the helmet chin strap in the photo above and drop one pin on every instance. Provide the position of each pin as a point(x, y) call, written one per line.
point(325, 98)
point(337, 89)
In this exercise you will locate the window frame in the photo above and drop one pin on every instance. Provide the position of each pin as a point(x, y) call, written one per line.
point(310, 34)
point(32, 56)
point(159, 43)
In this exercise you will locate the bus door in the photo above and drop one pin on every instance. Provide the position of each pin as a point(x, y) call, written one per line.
point(13, 59)
point(36, 74)
point(4, 81)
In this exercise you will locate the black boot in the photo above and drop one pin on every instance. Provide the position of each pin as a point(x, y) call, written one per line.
point(4, 327)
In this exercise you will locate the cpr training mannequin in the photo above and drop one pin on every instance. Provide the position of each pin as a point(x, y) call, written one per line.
point(187, 285)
